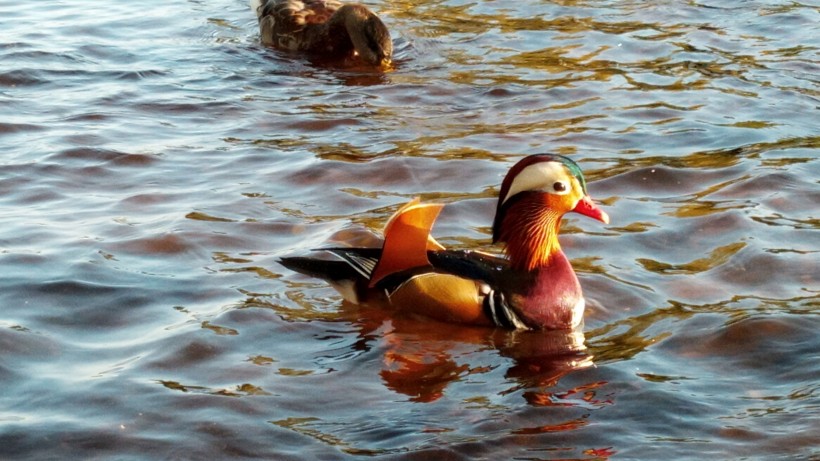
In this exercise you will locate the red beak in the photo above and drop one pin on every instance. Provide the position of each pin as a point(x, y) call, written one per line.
point(586, 207)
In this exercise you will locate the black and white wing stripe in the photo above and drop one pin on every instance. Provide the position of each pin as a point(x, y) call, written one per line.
point(499, 311)
point(362, 260)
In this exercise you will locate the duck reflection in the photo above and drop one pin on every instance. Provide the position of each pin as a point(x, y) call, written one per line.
point(421, 358)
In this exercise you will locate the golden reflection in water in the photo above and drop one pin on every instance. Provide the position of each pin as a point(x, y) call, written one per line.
point(718, 158)
point(716, 258)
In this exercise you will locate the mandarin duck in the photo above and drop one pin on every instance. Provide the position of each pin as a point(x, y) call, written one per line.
point(533, 286)
point(324, 27)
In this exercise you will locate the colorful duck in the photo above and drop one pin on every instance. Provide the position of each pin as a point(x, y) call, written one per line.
point(534, 287)
point(324, 27)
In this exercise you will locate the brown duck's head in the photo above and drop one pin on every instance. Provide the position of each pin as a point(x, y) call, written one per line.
point(535, 194)
point(370, 37)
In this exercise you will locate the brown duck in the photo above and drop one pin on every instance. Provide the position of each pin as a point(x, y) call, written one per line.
point(324, 27)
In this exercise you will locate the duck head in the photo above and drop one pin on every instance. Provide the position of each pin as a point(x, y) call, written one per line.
point(368, 34)
point(534, 196)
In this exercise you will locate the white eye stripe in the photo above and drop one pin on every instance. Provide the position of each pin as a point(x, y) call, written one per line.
point(540, 176)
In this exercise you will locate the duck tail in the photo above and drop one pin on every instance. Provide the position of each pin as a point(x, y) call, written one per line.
point(256, 7)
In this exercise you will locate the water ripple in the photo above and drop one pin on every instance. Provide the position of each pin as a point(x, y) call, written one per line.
point(157, 160)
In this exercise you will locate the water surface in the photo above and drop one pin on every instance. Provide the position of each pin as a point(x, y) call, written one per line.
point(156, 161)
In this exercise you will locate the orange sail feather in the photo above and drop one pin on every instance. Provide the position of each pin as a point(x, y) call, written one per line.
point(407, 239)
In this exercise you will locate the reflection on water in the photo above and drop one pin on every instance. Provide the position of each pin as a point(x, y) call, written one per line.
point(157, 161)
point(421, 360)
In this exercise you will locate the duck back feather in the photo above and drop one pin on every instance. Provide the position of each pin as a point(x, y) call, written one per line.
point(325, 27)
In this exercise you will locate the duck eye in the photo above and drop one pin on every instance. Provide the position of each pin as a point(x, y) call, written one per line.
point(559, 187)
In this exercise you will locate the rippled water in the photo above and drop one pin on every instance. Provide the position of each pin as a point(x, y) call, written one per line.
point(156, 161)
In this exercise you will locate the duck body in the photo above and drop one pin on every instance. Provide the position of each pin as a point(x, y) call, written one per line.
point(324, 27)
point(532, 287)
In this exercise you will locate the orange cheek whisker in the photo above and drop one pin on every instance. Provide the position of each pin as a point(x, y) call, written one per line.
point(530, 231)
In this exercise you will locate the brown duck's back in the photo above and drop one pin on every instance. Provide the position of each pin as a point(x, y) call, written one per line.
point(298, 12)
point(285, 24)
point(321, 10)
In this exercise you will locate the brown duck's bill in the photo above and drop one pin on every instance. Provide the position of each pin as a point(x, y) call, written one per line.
point(586, 207)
